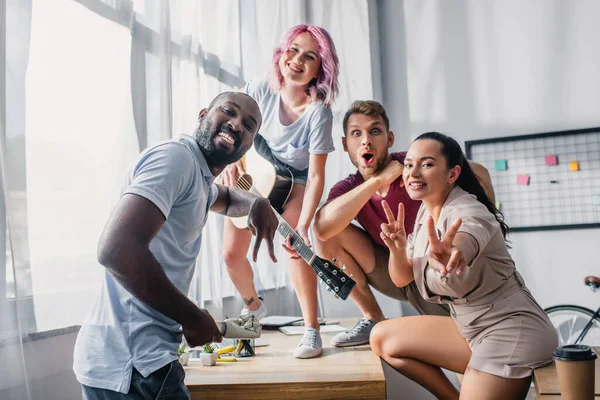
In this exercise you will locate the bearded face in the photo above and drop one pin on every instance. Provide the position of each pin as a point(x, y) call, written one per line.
point(227, 128)
point(367, 141)
point(220, 144)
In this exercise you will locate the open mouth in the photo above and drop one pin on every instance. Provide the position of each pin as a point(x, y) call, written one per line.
point(368, 159)
point(226, 138)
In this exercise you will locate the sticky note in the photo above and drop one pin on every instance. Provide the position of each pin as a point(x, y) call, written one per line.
point(574, 166)
point(596, 199)
point(497, 205)
point(501, 165)
point(551, 159)
point(523, 179)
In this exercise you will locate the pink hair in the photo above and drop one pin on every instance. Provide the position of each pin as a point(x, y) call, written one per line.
point(326, 86)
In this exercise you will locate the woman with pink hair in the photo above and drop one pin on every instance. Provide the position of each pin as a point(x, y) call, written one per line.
point(295, 137)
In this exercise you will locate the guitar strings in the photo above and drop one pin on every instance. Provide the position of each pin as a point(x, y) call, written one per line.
point(303, 250)
point(298, 243)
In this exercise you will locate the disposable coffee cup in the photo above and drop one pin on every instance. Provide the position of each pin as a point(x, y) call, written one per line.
point(575, 369)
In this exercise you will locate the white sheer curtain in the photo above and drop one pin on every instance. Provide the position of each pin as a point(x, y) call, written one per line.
point(89, 84)
point(93, 82)
point(263, 23)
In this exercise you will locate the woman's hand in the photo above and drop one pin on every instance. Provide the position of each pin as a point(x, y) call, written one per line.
point(232, 173)
point(393, 233)
point(302, 231)
point(443, 256)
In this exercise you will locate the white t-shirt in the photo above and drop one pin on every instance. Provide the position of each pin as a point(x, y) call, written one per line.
point(121, 332)
point(292, 144)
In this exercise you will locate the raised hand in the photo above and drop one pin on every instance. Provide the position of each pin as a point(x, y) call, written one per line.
point(443, 256)
point(232, 173)
point(263, 223)
point(393, 233)
point(390, 173)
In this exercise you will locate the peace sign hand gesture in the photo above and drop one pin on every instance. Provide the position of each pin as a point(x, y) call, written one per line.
point(393, 233)
point(443, 256)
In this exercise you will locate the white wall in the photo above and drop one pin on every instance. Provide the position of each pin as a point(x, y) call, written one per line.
point(482, 69)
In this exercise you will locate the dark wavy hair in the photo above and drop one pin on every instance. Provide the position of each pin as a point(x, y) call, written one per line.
point(467, 180)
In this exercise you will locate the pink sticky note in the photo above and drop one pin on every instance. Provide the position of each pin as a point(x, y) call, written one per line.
point(551, 159)
point(523, 179)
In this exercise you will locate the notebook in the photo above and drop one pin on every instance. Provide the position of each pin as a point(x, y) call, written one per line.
point(276, 321)
point(299, 330)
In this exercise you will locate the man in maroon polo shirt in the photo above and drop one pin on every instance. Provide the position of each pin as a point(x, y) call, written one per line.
point(367, 139)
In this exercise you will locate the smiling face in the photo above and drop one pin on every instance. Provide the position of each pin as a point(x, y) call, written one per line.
point(300, 63)
point(227, 128)
point(367, 142)
point(426, 173)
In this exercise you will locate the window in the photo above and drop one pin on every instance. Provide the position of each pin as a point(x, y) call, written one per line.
point(104, 83)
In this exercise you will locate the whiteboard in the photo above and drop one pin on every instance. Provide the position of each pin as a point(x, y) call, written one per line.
point(544, 181)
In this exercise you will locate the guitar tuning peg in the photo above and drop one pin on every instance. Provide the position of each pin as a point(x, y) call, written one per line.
point(336, 296)
point(328, 289)
point(334, 261)
point(343, 267)
point(350, 275)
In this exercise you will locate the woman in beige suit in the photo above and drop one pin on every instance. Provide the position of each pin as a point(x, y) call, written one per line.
point(457, 254)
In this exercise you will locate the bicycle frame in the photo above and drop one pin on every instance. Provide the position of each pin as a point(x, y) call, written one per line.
point(588, 326)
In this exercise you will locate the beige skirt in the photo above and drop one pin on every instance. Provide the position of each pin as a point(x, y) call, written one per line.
point(508, 338)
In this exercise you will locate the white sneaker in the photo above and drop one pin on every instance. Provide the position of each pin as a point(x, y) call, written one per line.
point(359, 334)
point(310, 346)
point(259, 313)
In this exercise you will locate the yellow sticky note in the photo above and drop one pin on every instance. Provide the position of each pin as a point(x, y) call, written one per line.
point(574, 166)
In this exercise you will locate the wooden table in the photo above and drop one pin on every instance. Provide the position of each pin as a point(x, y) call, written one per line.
point(546, 381)
point(348, 373)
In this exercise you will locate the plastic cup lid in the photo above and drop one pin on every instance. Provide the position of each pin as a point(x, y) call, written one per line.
point(575, 352)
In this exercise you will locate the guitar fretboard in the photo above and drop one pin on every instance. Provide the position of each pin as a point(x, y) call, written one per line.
point(327, 271)
point(296, 241)
point(286, 230)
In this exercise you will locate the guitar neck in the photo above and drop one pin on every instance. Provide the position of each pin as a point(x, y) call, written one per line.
point(296, 241)
point(286, 231)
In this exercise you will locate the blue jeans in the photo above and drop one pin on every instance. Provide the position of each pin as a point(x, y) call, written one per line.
point(164, 383)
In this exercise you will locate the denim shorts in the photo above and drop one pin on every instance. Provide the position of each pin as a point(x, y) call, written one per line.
point(282, 169)
point(164, 383)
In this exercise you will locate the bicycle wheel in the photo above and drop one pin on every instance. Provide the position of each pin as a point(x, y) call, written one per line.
point(570, 320)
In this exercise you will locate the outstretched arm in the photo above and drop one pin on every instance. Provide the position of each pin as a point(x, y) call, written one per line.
point(393, 235)
point(336, 215)
point(124, 251)
point(453, 252)
point(262, 221)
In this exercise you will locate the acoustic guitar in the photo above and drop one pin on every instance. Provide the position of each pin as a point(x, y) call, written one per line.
point(259, 178)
